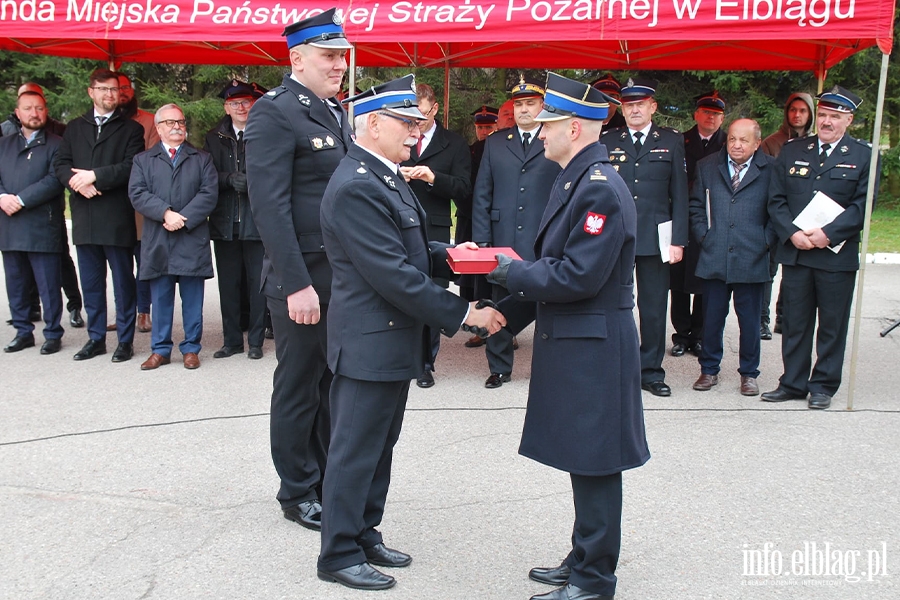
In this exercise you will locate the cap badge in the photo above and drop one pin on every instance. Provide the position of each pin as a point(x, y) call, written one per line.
point(630, 83)
point(234, 82)
point(338, 18)
point(593, 224)
point(836, 90)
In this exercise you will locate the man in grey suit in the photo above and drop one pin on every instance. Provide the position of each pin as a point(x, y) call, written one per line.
point(383, 302)
point(729, 218)
point(511, 192)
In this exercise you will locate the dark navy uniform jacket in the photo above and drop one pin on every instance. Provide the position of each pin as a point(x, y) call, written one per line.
point(844, 178)
point(293, 145)
point(657, 180)
point(585, 414)
point(382, 297)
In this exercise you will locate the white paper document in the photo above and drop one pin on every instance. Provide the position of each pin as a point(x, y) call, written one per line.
point(820, 211)
point(665, 239)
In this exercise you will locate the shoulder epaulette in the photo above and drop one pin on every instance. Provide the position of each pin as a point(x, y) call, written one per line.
point(275, 92)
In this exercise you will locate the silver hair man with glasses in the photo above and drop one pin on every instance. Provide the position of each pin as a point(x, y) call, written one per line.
point(439, 169)
point(383, 302)
point(175, 187)
point(296, 135)
point(94, 162)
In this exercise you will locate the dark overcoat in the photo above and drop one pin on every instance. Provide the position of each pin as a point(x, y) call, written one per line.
point(221, 144)
point(448, 157)
point(382, 296)
point(657, 180)
point(190, 188)
point(107, 219)
point(511, 192)
point(844, 178)
point(26, 170)
point(585, 414)
point(736, 248)
point(293, 144)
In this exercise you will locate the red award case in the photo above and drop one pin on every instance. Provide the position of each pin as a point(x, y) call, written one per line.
point(476, 262)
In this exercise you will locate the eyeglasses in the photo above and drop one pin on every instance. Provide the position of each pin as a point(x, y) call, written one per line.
point(410, 123)
point(105, 90)
point(428, 112)
point(239, 103)
point(172, 122)
point(124, 87)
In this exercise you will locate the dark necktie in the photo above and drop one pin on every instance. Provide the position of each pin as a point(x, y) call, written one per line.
point(736, 178)
point(240, 151)
point(705, 142)
point(100, 122)
point(823, 155)
point(637, 140)
point(526, 139)
point(172, 153)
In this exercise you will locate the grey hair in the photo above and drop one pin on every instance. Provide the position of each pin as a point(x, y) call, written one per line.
point(361, 124)
point(159, 111)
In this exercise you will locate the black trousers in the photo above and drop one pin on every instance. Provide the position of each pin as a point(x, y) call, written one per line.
point(299, 425)
point(810, 293)
point(688, 322)
point(498, 348)
point(652, 279)
point(231, 258)
point(597, 534)
point(366, 421)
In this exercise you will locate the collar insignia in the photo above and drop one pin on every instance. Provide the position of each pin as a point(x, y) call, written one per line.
point(390, 182)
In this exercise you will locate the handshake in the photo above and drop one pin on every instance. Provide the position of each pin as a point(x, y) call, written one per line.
point(484, 319)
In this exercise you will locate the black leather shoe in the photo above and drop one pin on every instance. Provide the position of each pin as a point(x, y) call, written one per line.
point(226, 351)
point(764, 332)
point(696, 348)
point(20, 342)
point(255, 353)
point(678, 350)
point(496, 380)
point(124, 351)
point(425, 380)
point(779, 395)
point(51, 346)
point(91, 349)
point(657, 388)
point(383, 556)
point(777, 328)
point(308, 514)
point(75, 319)
point(34, 315)
point(819, 401)
point(359, 577)
point(551, 575)
point(571, 592)
point(269, 333)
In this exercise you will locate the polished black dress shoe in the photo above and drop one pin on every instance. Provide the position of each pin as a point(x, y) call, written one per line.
point(75, 319)
point(657, 388)
point(780, 395)
point(383, 556)
point(551, 575)
point(20, 342)
point(696, 348)
point(764, 332)
point(777, 328)
point(819, 401)
point(226, 351)
point(269, 333)
point(91, 349)
point(571, 592)
point(308, 514)
point(425, 380)
point(34, 315)
point(51, 346)
point(124, 351)
point(679, 350)
point(255, 353)
point(359, 577)
point(496, 380)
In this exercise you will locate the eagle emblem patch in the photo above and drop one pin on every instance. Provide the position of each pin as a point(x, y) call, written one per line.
point(594, 223)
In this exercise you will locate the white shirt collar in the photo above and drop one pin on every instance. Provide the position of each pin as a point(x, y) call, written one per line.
point(390, 165)
point(645, 131)
point(534, 133)
point(107, 115)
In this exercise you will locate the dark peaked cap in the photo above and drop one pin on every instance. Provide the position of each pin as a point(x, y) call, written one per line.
point(322, 31)
point(840, 99)
point(397, 96)
point(566, 98)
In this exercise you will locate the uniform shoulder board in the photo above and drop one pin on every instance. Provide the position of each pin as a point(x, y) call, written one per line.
point(669, 129)
point(865, 143)
point(595, 173)
point(275, 92)
point(789, 140)
point(610, 131)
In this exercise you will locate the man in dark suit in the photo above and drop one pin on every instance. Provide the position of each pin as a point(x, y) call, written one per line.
point(580, 289)
point(236, 240)
point(94, 162)
point(651, 161)
point(384, 300)
point(296, 135)
point(511, 192)
point(819, 273)
point(703, 139)
point(438, 170)
point(730, 221)
point(32, 203)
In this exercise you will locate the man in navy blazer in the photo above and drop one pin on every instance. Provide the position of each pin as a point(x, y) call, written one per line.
point(730, 220)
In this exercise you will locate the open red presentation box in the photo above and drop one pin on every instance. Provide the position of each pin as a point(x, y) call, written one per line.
point(477, 262)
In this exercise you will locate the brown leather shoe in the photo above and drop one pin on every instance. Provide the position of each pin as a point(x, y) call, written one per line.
point(474, 342)
point(143, 322)
point(515, 343)
point(191, 361)
point(749, 387)
point(705, 382)
point(154, 362)
point(111, 327)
